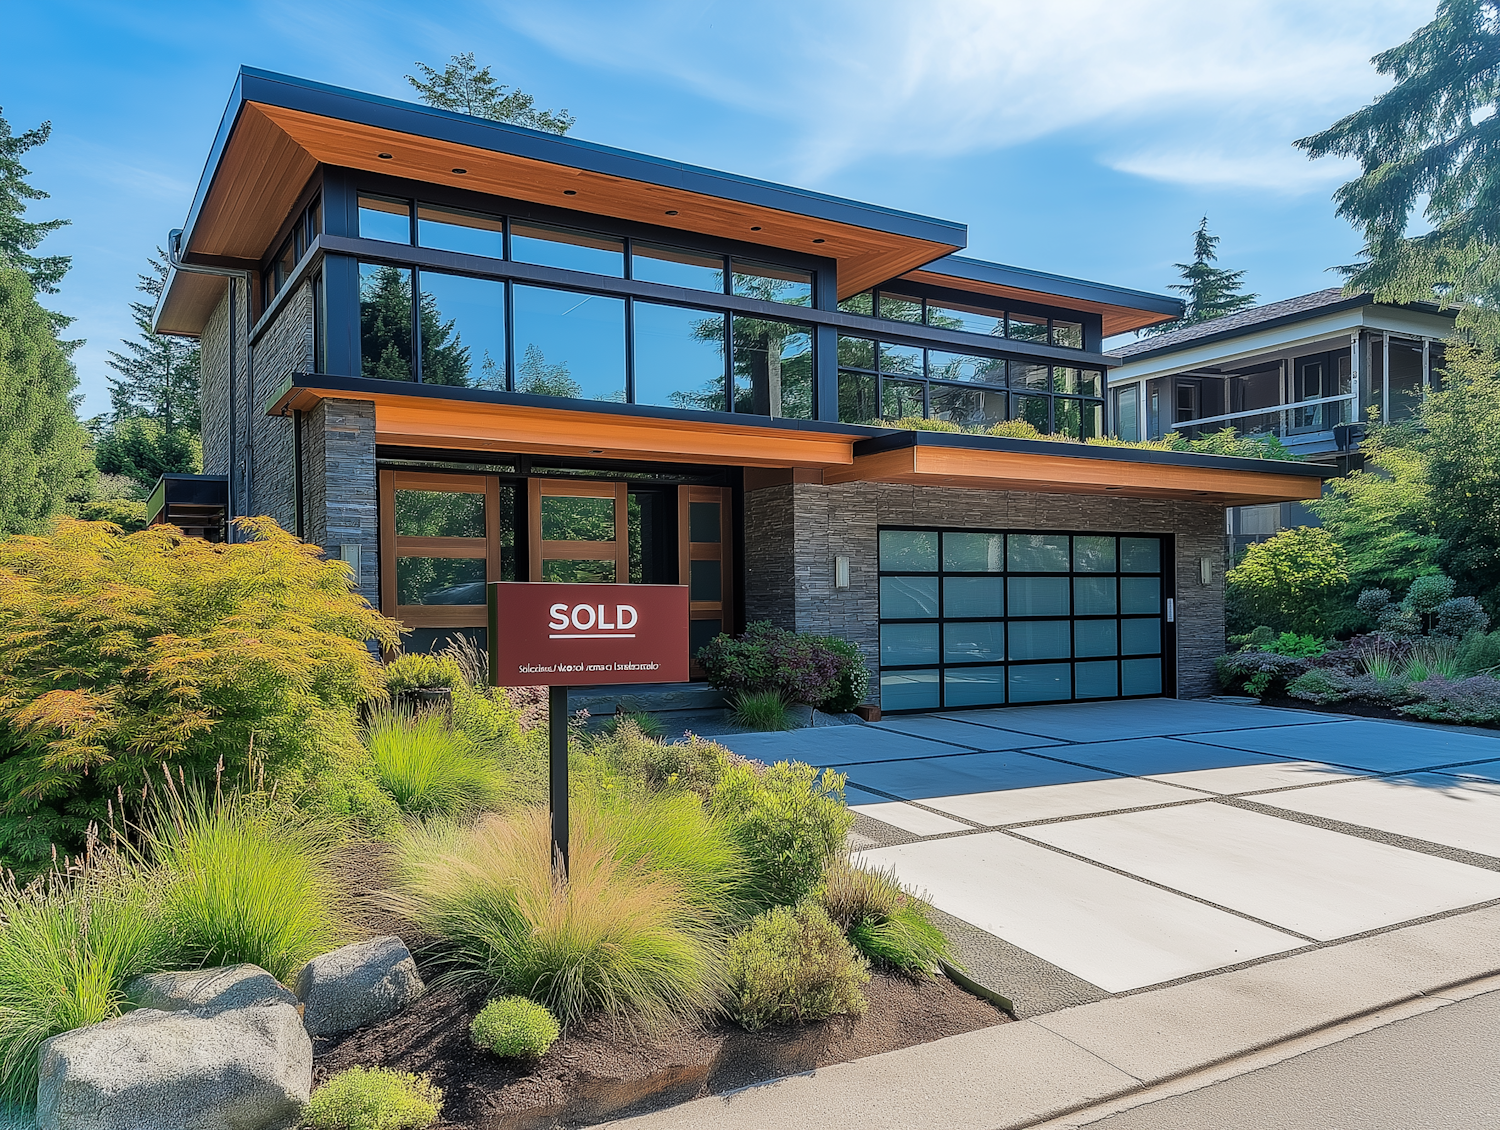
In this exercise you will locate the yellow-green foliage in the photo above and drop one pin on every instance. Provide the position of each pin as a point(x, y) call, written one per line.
point(514, 1028)
point(430, 768)
point(123, 652)
point(1289, 581)
point(793, 964)
point(692, 765)
point(636, 934)
point(883, 919)
point(417, 671)
point(66, 951)
point(374, 1098)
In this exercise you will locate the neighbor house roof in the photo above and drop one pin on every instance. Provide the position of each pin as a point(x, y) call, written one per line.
point(1268, 314)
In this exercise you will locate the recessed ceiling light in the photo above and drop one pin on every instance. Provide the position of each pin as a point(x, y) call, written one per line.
point(570, 192)
point(384, 156)
point(671, 211)
point(460, 171)
point(597, 451)
point(818, 241)
point(756, 228)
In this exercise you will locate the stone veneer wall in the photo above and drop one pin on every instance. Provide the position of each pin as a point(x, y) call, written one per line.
point(794, 531)
point(213, 377)
point(286, 347)
point(338, 447)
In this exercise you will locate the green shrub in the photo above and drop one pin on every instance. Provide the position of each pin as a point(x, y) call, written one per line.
point(793, 964)
point(648, 724)
point(802, 668)
point(374, 1098)
point(1466, 702)
point(1257, 672)
point(635, 934)
point(1322, 685)
point(854, 676)
point(428, 768)
point(1292, 581)
point(883, 919)
point(1479, 654)
point(790, 823)
point(417, 671)
point(241, 882)
point(1298, 646)
point(67, 950)
point(692, 765)
point(125, 652)
point(514, 1028)
point(765, 711)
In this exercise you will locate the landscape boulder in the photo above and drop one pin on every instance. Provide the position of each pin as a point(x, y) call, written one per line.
point(357, 985)
point(209, 991)
point(238, 1069)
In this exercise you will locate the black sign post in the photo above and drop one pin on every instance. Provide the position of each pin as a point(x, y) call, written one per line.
point(557, 778)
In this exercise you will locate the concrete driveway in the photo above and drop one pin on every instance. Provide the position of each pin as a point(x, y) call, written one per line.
point(1097, 849)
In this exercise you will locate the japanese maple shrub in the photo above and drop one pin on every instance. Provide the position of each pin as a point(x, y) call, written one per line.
point(124, 652)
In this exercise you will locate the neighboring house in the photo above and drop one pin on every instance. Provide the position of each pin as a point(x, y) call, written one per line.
point(452, 351)
point(1312, 371)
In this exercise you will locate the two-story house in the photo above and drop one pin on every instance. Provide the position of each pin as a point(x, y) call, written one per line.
point(450, 350)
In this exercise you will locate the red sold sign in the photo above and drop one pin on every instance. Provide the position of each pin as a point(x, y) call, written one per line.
point(548, 634)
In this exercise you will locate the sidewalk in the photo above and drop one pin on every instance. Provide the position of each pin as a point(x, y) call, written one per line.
point(1022, 1074)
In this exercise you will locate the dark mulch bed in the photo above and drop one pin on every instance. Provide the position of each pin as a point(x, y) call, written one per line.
point(594, 1074)
point(1358, 709)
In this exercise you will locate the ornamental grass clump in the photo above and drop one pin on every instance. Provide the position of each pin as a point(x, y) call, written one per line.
point(374, 1098)
point(514, 1028)
point(883, 919)
point(635, 935)
point(68, 946)
point(790, 823)
point(430, 768)
point(763, 711)
point(793, 964)
point(240, 881)
point(123, 652)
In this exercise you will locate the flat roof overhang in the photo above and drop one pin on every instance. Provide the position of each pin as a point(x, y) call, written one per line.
point(440, 417)
point(1121, 309)
point(1050, 467)
point(277, 129)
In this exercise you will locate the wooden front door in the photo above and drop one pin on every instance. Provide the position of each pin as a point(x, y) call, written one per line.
point(579, 531)
point(705, 526)
point(440, 541)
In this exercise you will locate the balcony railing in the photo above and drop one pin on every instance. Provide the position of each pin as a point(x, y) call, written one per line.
point(1303, 417)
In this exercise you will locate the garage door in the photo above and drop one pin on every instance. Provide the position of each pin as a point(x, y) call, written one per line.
point(1001, 617)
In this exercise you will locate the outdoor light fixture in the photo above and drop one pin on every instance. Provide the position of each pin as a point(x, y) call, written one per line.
point(756, 228)
point(570, 192)
point(1205, 571)
point(840, 572)
point(819, 241)
point(384, 156)
point(671, 211)
point(349, 554)
point(460, 171)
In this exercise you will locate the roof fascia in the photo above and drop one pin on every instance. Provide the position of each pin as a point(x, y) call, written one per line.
point(1021, 278)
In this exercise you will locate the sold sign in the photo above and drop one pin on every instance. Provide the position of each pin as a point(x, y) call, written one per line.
point(548, 634)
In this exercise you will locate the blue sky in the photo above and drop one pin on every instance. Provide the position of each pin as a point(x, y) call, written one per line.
point(1084, 137)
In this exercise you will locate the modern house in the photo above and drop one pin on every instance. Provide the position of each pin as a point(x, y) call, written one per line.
point(450, 350)
point(1312, 371)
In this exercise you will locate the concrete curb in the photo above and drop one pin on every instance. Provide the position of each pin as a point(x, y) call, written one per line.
point(1020, 1074)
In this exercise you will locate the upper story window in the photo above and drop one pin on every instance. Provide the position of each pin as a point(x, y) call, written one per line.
point(395, 220)
point(946, 314)
point(305, 229)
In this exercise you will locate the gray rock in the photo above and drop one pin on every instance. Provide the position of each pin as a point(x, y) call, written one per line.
point(357, 985)
point(242, 1069)
point(16, 1118)
point(209, 991)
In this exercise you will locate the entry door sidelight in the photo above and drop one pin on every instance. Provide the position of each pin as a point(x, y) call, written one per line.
point(705, 555)
point(440, 541)
point(579, 531)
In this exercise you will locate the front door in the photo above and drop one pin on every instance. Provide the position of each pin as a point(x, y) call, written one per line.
point(580, 531)
point(705, 522)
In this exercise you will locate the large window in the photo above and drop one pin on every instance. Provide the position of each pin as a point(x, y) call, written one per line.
point(966, 317)
point(990, 618)
point(569, 344)
point(882, 381)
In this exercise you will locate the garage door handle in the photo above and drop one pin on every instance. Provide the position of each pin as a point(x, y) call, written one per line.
point(1171, 611)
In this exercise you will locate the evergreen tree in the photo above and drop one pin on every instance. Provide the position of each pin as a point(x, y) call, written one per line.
point(1211, 292)
point(44, 460)
point(1430, 139)
point(141, 449)
point(18, 236)
point(158, 374)
point(470, 89)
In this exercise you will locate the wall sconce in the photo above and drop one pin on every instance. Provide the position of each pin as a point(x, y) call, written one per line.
point(1205, 571)
point(349, 554)
point(840, 572)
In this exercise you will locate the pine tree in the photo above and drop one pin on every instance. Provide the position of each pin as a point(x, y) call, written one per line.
point(1429, 140)
point(44, 460)
point(1211, 292)
point(158, 374)
point(470, 89)
point(18, 236)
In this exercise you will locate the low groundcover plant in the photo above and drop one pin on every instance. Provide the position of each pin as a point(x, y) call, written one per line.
point(514, 1028)
point(374, 1098)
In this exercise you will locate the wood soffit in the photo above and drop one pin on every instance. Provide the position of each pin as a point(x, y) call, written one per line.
point(781, 455)
point(1117, 319)
point(274, 150)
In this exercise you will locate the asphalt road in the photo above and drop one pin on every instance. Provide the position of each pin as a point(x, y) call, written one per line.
point(1436, 1071)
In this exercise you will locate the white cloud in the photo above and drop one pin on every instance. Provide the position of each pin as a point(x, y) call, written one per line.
point(892, 78)
point(1277, 169)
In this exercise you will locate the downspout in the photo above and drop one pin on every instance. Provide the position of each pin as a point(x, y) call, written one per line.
point(174, 260)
